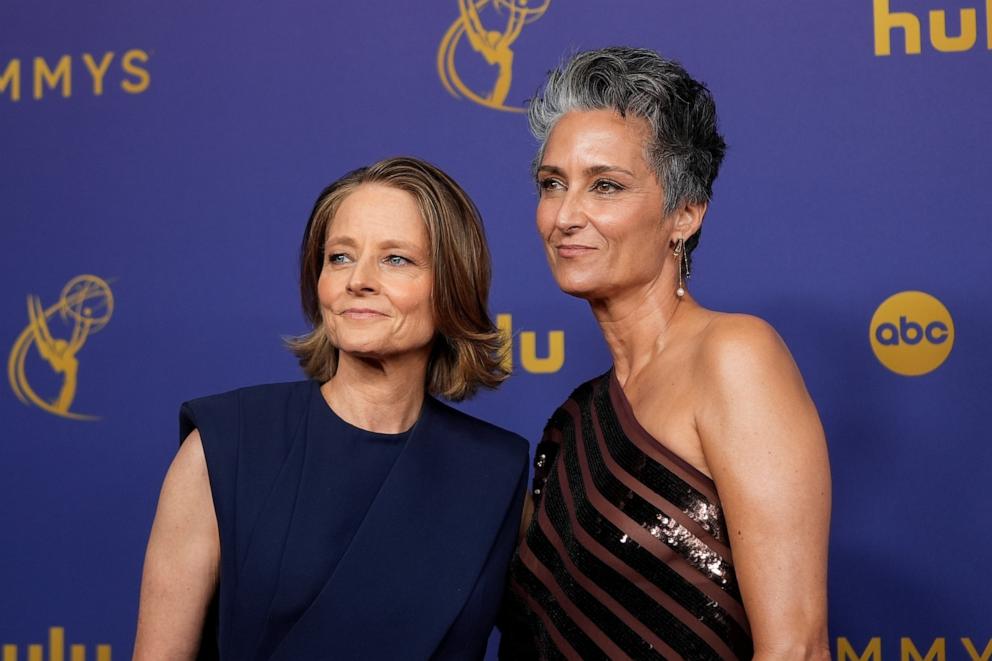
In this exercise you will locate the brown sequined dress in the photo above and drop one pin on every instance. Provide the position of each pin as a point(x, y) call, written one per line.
point(627, 555)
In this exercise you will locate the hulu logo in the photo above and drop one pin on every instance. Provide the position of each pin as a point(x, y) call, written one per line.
point(888, 22)
point(56, 650)
point(529, 359)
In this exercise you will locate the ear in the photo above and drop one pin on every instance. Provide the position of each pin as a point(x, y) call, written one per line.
point(688, 218)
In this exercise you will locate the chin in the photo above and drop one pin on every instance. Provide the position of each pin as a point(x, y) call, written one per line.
point(361, 346)
point(382, 349)
point(584, 288)
point(580, 280)
point(360, 351)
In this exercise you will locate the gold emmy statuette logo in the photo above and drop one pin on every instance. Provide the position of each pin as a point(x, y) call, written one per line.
point(911, 333)
point(85, 307)
point(493, 45)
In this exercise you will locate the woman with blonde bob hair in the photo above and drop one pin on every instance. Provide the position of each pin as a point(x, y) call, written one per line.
point(351, 515)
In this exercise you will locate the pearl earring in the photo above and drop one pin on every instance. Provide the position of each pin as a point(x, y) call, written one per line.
point(682, 264)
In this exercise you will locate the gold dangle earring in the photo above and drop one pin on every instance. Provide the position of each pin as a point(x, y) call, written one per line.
point(682, 264)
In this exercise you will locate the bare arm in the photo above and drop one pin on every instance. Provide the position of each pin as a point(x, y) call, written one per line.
point(765, 447)
point(182, 561)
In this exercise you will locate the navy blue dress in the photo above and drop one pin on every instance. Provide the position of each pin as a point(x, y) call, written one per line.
point(338, 543)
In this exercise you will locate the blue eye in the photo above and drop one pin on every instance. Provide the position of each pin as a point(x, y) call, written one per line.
point(396, 260)
point(337, 258)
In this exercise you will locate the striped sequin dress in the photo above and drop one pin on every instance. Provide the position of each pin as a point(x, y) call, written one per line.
point(627, 555)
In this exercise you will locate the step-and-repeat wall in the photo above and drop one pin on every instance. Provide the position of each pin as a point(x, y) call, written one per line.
point(158, 162)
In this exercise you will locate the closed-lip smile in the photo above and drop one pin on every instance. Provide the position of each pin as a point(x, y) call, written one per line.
point(572, 249)
point(361, 313)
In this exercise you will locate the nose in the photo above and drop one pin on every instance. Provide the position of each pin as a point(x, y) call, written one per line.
point(363, 278)
point(570, 216)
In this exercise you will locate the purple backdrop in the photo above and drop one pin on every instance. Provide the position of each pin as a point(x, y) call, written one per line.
point(178, 174)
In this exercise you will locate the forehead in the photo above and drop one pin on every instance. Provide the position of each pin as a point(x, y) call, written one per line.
point(380, 210)
point(597, 137)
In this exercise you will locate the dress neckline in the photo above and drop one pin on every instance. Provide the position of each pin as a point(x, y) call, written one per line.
point(637, 433)
point(331, 414)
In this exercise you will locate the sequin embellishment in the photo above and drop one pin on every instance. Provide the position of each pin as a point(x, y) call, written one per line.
point(693, 549)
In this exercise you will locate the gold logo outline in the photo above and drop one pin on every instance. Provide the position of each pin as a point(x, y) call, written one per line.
point(493, 45)
point(58, 352)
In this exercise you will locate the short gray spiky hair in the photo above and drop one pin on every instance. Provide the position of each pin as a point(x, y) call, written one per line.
point(685, 149)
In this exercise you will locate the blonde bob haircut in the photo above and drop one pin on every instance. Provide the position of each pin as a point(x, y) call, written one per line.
point(468, 349)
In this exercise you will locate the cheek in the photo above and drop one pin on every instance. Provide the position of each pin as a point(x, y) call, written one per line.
point(638, 253)
point(545, 217)
point(325, 295)
point(420, 308)
point(633, 231)
point(325, 288)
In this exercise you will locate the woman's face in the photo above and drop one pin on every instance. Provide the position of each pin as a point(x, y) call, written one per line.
point(600, 212)
point(375, 286)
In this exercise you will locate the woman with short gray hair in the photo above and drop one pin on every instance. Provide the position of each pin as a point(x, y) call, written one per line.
point(681, 501)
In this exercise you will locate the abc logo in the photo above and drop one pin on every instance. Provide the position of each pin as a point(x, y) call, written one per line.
point(911, 333)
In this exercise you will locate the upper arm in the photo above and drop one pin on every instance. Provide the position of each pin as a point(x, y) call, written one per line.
point(765, 447)
point(182, 560)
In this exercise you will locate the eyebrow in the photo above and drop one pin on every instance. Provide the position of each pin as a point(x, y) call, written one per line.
point(341, 240)
point(395, 243)
point(590, 171)
point(385, 245)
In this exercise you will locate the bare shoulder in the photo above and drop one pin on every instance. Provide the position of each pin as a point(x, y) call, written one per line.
point(741, 347)
point(745, 373)
point(731, 325)
point(752, 394)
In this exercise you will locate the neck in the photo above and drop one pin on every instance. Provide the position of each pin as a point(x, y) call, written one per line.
point(383, 396)
point(637, 323)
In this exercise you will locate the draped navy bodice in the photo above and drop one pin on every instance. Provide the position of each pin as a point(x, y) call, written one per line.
point(341, 543)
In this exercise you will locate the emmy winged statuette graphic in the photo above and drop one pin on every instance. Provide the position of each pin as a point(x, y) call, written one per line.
point(494, 45)
point(83, 308)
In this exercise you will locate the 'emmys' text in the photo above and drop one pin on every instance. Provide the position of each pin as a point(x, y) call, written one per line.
point(910, 651)
point(91, 74)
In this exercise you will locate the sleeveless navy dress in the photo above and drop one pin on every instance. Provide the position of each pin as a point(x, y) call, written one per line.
point(339, 543)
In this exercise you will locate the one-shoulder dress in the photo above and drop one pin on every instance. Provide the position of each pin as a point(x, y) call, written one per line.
point(627, 555)
point(339, 543)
